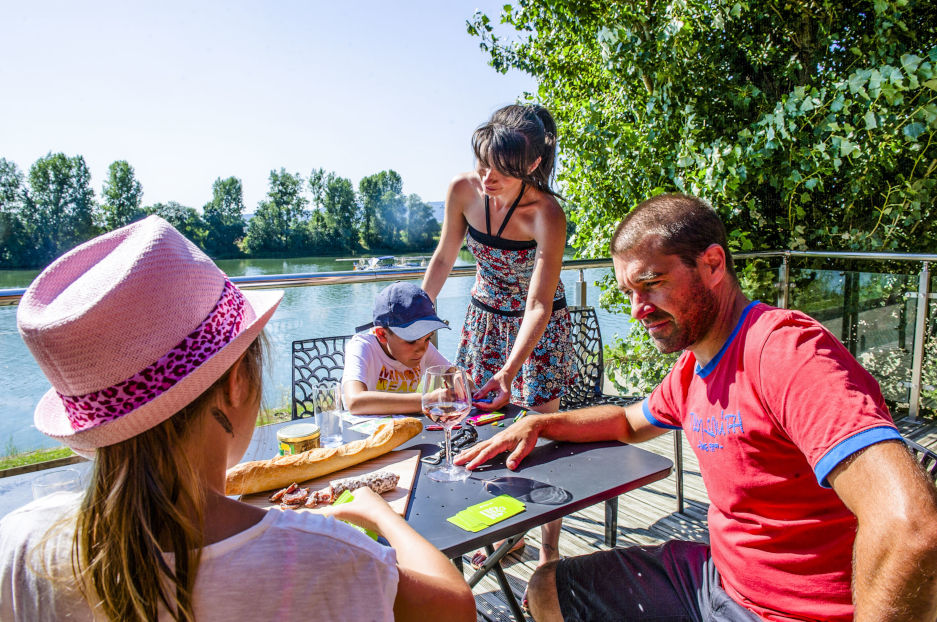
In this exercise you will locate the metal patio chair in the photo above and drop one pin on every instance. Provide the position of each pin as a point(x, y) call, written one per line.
point(927, 458)
point(315, 361)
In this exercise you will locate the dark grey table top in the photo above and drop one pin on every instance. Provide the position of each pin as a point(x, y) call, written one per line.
point(582, 474)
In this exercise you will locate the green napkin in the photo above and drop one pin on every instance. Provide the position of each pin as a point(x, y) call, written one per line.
point(481, 515)
point(345, 497)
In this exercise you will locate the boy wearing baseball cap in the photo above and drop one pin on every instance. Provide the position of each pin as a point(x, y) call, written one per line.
point(383, 365)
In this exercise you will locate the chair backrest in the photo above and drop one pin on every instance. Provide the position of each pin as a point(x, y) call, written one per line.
point(315, 361)
point(588, 360)
point(926, 457)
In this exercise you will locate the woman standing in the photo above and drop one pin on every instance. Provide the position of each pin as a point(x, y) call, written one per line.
point(515, 339)
point(155, 362)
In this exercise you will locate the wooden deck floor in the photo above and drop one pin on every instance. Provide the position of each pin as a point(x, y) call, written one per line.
point(645, 516)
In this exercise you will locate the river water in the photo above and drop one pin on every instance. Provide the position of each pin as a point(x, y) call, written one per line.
point(304, 313)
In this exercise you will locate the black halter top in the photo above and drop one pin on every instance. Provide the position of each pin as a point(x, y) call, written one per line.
point(496, 240)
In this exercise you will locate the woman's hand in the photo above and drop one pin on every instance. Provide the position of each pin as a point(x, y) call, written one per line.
point(496, 393)
point(368, 509)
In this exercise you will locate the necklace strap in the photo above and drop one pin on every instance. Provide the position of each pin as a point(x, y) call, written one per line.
point(507, 217)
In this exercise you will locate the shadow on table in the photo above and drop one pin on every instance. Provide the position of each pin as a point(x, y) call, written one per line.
point(526, 490)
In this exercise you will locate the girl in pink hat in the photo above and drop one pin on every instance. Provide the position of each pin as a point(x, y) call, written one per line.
point(155, 361)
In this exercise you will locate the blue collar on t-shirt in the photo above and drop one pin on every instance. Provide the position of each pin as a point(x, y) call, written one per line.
point(702, 372)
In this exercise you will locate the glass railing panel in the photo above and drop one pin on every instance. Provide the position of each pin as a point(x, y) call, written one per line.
point(454, 299)
point(305, 312)
point(760, 278)
point(21, 386)
point(884, 335)
point(929, 369)
point(871, 313)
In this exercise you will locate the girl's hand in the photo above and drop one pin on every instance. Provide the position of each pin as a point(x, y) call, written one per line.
point(368, 509)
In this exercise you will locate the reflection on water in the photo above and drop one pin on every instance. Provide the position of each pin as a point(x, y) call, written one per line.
point(305, 312)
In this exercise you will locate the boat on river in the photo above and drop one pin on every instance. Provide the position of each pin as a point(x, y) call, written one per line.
point(388, 262)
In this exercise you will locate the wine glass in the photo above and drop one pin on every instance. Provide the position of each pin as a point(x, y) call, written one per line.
point(446, 400)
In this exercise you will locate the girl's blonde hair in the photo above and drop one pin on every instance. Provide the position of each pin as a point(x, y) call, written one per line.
point(145, 498)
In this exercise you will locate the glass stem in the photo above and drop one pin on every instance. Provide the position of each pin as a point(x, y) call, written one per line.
point(448, 448)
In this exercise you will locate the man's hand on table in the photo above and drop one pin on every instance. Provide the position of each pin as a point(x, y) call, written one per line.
point(520, 437)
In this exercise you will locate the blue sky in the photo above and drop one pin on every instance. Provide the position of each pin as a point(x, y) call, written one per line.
point(190, 91)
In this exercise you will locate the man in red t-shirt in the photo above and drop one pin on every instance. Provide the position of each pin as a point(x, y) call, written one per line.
point(818, 512)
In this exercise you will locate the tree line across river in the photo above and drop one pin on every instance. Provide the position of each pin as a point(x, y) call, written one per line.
point(53, 208)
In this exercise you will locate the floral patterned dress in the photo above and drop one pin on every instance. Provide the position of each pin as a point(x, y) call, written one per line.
point(499, 297)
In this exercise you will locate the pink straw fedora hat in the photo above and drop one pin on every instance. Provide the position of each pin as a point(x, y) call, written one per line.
point(130, 327)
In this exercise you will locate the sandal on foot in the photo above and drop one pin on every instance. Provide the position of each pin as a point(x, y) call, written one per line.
point(479, 558)
point(525, 604)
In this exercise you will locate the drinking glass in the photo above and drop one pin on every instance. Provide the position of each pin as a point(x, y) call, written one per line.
point(446, 400)
point(327, 403)
point(68, 480)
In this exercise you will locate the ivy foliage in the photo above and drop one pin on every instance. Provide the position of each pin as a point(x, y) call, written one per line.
point(809, 124)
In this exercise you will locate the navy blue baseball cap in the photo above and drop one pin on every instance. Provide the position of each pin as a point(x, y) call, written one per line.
point(406, 310)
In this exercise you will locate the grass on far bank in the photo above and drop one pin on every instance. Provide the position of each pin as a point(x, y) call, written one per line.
point(14, 458)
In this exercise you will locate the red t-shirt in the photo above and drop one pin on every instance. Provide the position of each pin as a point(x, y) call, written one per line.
point(781, 404)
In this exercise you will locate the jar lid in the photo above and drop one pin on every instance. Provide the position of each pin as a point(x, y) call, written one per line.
point(298, 432)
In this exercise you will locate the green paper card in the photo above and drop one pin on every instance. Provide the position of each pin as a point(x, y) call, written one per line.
point(485, 514)
point(345, 497)
point(497, 509)
point(466, 522)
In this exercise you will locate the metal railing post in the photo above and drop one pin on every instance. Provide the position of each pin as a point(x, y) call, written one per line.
point(784, 287)
point(920, 327)
point(850, 328)
point(581, 290)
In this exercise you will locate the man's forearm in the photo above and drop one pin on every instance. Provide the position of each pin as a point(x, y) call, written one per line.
point(894, 574)
point(895, 579)
point(598, 423)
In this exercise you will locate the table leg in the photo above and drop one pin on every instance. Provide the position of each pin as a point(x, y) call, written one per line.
point(508, 593)
point(494, 563)
point(611, 522)
point(678, 466)
point(494, 558)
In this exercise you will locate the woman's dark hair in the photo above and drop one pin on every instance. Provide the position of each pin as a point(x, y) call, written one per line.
point(683, 225)
point(513, 139)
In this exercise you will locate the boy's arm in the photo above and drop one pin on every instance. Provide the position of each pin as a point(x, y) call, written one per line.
point(360, 401)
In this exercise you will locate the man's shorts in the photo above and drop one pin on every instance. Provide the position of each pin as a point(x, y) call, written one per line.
point(673, 582)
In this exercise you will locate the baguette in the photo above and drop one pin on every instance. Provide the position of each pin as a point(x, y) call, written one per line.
point(260, 475)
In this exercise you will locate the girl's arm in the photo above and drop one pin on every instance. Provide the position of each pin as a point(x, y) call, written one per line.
point(451, 236)
point(360, 401)
point(429, 583)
